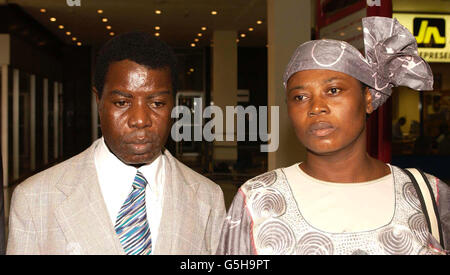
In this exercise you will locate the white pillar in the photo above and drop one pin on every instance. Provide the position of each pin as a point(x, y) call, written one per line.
point(289, 25)
point(5, 124)
point(45, 121)
point(224, 87)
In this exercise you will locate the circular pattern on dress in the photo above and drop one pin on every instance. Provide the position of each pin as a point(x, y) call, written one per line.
point(396, 241)
point(267, 203)
point(314, 243)
point(410, 195)
point(360, 252)
point(264, 180)
point(274, 237)
point(419, 227)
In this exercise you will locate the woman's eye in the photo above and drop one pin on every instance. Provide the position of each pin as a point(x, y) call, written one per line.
point(334, 91)
point(299, 97)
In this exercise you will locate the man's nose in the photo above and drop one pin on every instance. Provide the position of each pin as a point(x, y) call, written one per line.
point(140, 116)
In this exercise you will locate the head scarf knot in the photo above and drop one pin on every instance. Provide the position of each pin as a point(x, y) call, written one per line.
point(391, 59)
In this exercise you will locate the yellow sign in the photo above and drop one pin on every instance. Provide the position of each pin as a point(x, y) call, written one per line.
point(432, 33)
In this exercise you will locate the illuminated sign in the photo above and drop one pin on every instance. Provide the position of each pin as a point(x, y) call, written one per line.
point(431, 32)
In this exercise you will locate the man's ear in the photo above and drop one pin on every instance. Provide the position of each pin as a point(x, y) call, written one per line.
point(97, 95)
point(368, 95)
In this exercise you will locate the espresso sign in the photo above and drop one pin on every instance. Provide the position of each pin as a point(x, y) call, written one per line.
point(432, 33)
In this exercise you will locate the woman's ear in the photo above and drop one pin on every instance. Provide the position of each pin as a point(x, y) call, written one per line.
point(368, 96)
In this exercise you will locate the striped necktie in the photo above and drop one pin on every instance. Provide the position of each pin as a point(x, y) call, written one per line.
point(131, 225)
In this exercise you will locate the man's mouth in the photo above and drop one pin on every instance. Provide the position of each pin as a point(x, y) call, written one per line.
point(321, 129)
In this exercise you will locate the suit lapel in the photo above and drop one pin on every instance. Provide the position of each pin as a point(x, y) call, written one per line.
point(184, 217)
point(83, 216)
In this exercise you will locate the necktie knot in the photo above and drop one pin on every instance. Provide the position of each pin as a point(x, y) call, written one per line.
point(139, 181)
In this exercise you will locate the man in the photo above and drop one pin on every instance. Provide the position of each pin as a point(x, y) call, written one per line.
point(126, 193)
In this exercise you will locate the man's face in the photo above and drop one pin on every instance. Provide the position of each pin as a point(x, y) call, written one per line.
point(327, 109)
point(135, 110)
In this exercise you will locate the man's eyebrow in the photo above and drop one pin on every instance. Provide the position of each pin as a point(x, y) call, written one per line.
point(159, 94)
point(117, 92)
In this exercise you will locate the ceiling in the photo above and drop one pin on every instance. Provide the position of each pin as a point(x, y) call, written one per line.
point(180, 21)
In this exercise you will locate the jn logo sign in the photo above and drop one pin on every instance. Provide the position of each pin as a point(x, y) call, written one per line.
point(429, 32)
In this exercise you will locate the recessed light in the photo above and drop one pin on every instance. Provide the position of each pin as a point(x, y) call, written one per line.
point(158, 11)
point(74, 38)
point(251, 29)
point(99, 11)
point(259, 22)
point(193, 45)
point(53, 19)
point(203, 28)
point(157, 34)
point(104, 19)
point(214, 12)
point(243, 35)
point(108, 27)
point(43, 10)
point(342, 34)
point(157, 28)
point(61, 27)
point(79, 44)
point(191, 70)
point(237, 40)
point(359, 28)
point(196, 40)
point(199, 34)
point(68, 33)
point(111, 33)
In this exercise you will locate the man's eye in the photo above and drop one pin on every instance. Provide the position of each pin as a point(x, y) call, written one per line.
point(121, 103)
point(157, 104)
point(334, 91)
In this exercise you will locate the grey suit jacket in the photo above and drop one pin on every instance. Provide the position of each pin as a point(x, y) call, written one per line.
point(61, 211)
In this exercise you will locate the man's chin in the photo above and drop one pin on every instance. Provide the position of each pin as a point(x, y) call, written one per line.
point(138, 160)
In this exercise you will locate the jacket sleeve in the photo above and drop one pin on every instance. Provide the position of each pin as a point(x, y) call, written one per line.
point(218, 213)
point(22, 233)
point(237, 230)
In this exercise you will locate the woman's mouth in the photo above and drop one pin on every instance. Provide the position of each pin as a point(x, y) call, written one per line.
point(321, 129)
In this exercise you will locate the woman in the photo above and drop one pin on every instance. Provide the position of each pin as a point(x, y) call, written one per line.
point(339, 200)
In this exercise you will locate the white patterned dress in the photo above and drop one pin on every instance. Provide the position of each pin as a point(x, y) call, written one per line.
point(264, 219)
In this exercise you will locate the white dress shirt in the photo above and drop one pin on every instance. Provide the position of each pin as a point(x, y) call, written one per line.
point(116, 180)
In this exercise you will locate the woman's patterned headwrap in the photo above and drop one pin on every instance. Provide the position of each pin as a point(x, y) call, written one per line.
point(391, 59)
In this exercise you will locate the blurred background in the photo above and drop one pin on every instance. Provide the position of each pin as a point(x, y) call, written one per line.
point(230, 52)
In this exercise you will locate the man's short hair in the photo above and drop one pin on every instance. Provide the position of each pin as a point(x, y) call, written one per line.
point(139, 47)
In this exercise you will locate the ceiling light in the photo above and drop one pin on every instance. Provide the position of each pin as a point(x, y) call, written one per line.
point(79, 43)
point(199, 34)
point(157, 34)
point(53, 19)
point(68, 33)
point(243, 35)
point(104, 19)
point(359, 28)
point(157, 28)
point(196, 40)
point(193, 45)
point(251, 29)
point(237, 40)
point(342, 34)
point(191, 70)
point(214, 12)
point(259, 22)
point(108, 27)
point(43, 10)
point(203, 28)
point(158, 11)
point(111, 33)
point(74, 38)
point(99, 11)
point(61, 27)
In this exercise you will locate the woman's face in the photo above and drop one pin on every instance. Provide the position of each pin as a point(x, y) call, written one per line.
point(327, 109)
